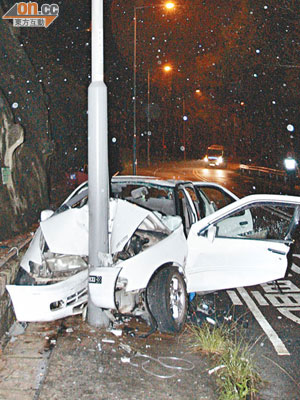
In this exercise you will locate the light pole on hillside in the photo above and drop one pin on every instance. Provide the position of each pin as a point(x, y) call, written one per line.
point(169, 5)
point(148, 119)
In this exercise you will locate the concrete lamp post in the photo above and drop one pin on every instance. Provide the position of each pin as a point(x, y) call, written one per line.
point(98, 176)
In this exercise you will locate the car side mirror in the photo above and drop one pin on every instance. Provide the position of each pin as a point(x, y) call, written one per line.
point(45, 214)
point(211, 233)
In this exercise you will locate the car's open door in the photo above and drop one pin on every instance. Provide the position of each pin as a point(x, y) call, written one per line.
point(242, 244)
point(213, 196)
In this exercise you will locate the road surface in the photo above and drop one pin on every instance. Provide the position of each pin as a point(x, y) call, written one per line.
point(268, 314)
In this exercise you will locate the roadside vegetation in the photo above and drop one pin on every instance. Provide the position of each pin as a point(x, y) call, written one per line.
point(232, 363)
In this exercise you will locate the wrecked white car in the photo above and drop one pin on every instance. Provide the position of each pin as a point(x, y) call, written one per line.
point(173, 242)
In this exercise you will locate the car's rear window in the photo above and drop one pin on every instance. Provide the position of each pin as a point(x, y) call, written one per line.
point(151, 196)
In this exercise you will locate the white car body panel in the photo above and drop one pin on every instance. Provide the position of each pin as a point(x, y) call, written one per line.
point(32, 303)
point(224, 263)
point(33, 252)
point(72, 236)
point(124, 219)
point(172, 249)
point(228, 263)
point(102, 286)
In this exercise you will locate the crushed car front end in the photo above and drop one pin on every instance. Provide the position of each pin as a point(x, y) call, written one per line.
point(54, 279)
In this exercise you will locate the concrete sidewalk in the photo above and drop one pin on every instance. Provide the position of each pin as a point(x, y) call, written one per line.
point(24, 360)
point(70, 360)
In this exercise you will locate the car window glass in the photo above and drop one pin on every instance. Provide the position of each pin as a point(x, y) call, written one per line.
point(264, 222)
point(220, 198)
point(80, 203)
point(155, 197)
point(214, 153)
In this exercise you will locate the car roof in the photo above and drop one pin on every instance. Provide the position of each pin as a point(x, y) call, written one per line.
point(147, 179)
point(216, 147)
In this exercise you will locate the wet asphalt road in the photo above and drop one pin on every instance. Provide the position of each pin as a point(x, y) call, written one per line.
point(269, 314)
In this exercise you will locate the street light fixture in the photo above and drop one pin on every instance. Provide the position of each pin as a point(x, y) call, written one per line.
point(184, 119)
point(148, 120)
point(169, 5)
point(167, 68)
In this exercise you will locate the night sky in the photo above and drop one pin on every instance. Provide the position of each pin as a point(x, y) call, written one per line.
point(235, 75)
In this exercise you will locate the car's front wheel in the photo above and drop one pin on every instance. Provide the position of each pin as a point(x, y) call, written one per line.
point(167, 299)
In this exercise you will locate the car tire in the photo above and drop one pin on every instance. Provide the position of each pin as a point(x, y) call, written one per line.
point(167, 299)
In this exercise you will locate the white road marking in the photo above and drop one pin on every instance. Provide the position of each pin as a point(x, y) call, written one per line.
point(295, 268)
point(282, 286)
point(259, 298)
point(287, 312)
point(266, 327)
point(284, 300)
point(234, 298)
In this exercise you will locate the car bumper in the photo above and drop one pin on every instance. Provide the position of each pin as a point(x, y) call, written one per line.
point(50, 302)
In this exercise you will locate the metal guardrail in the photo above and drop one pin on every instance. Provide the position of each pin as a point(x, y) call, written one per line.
point(14, 251)
point(279, 175)
point(9, 267)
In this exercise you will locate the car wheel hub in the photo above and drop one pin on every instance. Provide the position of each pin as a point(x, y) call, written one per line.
point(177, 299)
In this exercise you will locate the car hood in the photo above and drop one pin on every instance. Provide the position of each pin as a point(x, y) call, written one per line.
point(67, 232)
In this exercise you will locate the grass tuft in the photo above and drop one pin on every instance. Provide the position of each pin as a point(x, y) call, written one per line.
point(235, 370)
point(209, 340)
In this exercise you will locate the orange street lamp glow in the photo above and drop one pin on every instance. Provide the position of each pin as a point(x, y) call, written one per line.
point(167, 68)
point(170, 5)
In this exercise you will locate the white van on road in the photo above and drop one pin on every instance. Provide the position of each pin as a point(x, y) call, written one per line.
point(215, 156)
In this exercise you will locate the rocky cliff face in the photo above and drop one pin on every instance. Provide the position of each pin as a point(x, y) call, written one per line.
point(25, 143)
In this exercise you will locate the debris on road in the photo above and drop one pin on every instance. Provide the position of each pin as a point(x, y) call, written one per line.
point(108, 341)
point(213, 370)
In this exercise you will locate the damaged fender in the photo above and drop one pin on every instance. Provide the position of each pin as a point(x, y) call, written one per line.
point(102, 285)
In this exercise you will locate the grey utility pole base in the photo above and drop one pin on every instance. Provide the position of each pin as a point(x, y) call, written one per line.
point(98, 187)
point(96, 316)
